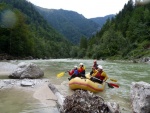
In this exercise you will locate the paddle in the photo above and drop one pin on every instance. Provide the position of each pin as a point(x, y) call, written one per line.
point(60, 74)
point(110, 85)
point(113, 80)
point(63, 73)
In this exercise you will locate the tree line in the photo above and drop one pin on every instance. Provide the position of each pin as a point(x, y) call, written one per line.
point(126, 36)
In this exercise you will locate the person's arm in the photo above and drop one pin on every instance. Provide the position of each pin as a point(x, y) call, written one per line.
point(71, 72)
point(94, 73)
point(104, 75)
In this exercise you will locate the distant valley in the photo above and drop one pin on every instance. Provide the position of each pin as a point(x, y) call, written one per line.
point(71, 24)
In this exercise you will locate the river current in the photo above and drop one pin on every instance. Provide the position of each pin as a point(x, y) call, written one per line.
point(123, 71)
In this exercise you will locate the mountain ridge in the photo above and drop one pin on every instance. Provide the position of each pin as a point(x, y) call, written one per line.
point(102, 20)
point(70, 23)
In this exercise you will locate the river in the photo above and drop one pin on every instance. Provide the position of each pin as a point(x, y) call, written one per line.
point(123, 71)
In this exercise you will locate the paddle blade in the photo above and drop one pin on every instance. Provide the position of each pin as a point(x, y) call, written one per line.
point(114, 85)
point(110, 86)
point(60, 74)
point(113, 80)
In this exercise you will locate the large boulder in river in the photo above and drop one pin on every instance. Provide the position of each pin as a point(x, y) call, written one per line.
point(140, 97)
point(86, 102)
point(27, 71)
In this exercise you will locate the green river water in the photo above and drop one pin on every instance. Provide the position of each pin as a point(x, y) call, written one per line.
point(12, 101)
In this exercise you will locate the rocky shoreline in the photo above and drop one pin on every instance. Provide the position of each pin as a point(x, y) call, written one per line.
point(9, 57)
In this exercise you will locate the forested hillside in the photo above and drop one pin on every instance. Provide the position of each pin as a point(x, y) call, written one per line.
point(69, 23)
point(24, 32)
point(125, 36)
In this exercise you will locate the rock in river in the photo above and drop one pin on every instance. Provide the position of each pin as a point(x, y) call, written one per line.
point(27, 71)
point(140, 97)
point(85, 102)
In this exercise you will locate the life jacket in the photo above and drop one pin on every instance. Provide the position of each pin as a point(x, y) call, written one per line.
point(94, 72)
point(76, 72)
point(99, 75)
point(81, 70)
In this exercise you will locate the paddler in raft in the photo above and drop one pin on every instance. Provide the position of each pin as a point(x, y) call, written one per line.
point(81, 70)
point(73, 73)
point(95, 64)
point(98, 75)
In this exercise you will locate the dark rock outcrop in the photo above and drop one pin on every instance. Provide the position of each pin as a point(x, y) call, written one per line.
point(85, 102)
point(145, 59)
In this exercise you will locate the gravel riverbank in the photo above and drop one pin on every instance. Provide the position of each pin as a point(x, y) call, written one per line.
point(39, 91)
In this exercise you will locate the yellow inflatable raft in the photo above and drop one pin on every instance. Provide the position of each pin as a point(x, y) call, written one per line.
point(86, 84)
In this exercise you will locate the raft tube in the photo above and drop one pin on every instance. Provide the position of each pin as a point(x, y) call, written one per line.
point(86, 84)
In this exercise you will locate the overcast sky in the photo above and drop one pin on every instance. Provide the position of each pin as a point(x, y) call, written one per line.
point(88, 8)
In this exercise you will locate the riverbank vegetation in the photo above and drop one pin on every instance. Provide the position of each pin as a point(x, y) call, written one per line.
point(24, 32)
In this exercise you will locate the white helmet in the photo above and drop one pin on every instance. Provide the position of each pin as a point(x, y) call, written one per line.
point(100, 67)
point(75, 67)
point(81, 64)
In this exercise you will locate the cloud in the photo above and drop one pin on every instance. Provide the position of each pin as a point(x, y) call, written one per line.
point(88, 8)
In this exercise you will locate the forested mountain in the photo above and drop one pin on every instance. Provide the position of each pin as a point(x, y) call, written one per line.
point(127, 35)
point(24, 32)
point(102, 20)
point(69, 23)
